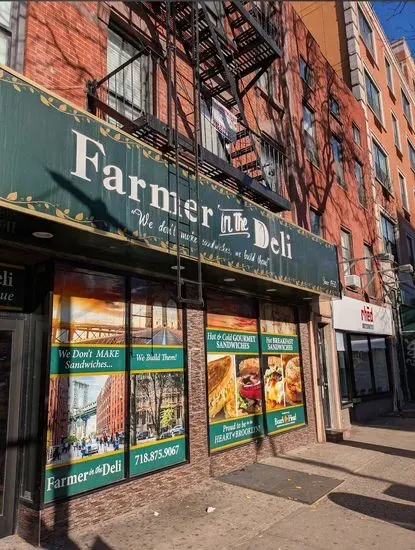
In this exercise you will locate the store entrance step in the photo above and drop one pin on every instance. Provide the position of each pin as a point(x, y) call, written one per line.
point(334, 436)
point(282, 482)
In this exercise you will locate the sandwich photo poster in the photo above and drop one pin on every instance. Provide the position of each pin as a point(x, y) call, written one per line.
point(86, 407)
point(234, 380)
point(157, 401)
point(284, 401)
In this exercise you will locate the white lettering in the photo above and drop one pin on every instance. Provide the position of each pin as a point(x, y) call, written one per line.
point(134, 184)
point(114, 180)
point(82, 158)
point(261, 235)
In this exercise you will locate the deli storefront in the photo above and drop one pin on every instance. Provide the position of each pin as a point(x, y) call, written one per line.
point(115, 387)
point(364, 355)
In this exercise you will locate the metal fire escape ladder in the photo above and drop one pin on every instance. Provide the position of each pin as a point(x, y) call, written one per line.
point(234, 89)
point(184, 192)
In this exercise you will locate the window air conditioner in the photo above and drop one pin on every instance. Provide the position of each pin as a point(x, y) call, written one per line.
point(352, 281)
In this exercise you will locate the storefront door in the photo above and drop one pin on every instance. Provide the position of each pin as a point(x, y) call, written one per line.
point(11, 332)
point(324, 383)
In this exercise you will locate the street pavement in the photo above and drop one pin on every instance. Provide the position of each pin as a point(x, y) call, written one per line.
point(372, 508)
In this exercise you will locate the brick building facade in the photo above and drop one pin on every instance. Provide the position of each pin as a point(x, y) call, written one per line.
point(297, 144)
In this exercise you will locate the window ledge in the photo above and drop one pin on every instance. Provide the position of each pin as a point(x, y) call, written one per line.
point(378, 120)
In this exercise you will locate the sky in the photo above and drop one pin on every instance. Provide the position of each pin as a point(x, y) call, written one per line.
point(398, 19)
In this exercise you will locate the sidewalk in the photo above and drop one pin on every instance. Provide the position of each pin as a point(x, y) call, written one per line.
point(374, 506)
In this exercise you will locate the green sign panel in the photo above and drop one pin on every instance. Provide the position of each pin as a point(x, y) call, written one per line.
point(272, 343)
point(285, 419)
point(151, 358)
point(156, 455)
point(92, 176)
point(233, 432)
point(231, 341)
point(72, 359)
point(12, 281)
point(83, 475)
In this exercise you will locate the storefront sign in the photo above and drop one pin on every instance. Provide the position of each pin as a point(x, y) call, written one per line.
point(12, 287)
point(357, 316)
point(158, 412)
point(284, 401)
point(86, 414)
point(94, 177)
point(233, 373)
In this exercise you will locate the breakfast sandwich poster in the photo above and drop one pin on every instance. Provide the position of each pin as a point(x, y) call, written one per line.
point(233, 372)
point(284, 402)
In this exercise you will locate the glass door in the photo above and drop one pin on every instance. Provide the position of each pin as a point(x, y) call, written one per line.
point(11, 332)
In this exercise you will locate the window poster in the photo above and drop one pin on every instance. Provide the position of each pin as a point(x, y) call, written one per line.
point(86, 411)
point(284, 402)
point(233, 372)
point(158, 415)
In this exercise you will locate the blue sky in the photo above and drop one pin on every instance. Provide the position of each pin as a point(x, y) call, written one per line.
point(398, 19)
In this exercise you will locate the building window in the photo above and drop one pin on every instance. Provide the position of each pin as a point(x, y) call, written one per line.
point(368, 263)
point(389, 239)
point(334, 107)
point(306, 73)
point(373, 96)
point(381, 166)
point(5, 31)
point(396, 135)
point(360, 182)
point(404, 194)
point(271, 162)
point(406, 106)
point(337, 151)
point(356, 135)
point(389, 76)
point(410, 246)
point(366, 32)
point(411, 151)
point(309, 133)
point(346, 245)
point(266, 82)
point(316, 226)
point(129, 90)
point(363, 371)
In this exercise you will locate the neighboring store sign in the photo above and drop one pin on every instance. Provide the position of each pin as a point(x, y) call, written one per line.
point(224, 121)
point(357, 316)
point(233, 373)
point(12, 287)
point(284, 401)
point(158, 413)
point(94, 177)
point(85, 427)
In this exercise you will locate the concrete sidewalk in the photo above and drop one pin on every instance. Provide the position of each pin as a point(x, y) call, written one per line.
point(373, 507)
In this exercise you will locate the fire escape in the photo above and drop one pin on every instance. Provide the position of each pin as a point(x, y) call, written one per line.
point(228, 45)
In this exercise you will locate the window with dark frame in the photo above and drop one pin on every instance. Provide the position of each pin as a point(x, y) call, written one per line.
point(346, 249)
point(404, 194)
point(267, 81)
point(381, 166)
point(334, 107)
point(337, 152)
point(411, 151)
point(366, 32)
point(368, 263)
point(406, 106)
point(363, 366)
point(306, 73)
point(5, 31)
point(396, 135)
point(361, 191)
point(356, 135)
point(410, 246)
point(316, 226)
point(389, 76)
point(389, 238)
point(309, 134)
point(373, 96)
point(130, 90)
